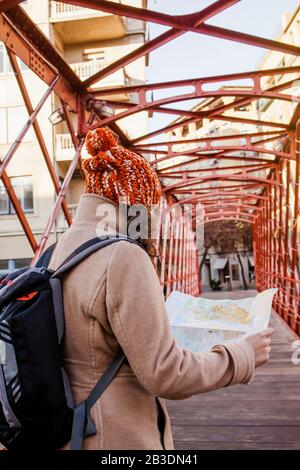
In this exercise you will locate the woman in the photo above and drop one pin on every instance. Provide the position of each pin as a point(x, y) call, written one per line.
point(113, 299)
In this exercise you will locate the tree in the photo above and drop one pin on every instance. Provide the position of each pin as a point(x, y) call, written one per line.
point(228, 237)
point(212, 233)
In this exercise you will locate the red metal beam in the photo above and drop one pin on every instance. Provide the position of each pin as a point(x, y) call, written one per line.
point(238, 170)
point(248, 39)
point(219, 156)
point(228, 188)
point(146, 105)
point(37, 130)
point(26, 127)
point(209, 113)
point(57, 206)
point(204, 199)
point(196, 82)
point(192, 181)
point(175, 125)
point(7, 4)
point(171, 143)
point(223, 213)
point(246, 101)
point(70, 124)
point(21, 35)
point(185, 23)
point(196, 115)
point(231, 148)
point(153, 105)
point(159, 41)
point(223, 218)
point(187, 172)
point(19, 212)
point(294, 258)
point(226, 204)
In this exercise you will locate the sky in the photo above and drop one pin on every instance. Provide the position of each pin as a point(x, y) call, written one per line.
point(195, 55)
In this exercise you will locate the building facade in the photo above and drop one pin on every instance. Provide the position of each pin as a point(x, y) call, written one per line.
point(218, 266)
point(89, 40)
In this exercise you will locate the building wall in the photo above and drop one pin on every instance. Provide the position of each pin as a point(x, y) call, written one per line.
point(218, 274)
point(28, 161)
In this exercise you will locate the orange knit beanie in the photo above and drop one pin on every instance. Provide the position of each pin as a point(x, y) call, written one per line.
point(115, 172)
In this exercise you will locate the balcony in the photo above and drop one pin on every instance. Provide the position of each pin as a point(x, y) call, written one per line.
point(64, 148)
point(85, 69)
point(64, 11)
point(61, 11)
point(76, 24)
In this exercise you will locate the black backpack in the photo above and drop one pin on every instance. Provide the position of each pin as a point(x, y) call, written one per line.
point(36, 402)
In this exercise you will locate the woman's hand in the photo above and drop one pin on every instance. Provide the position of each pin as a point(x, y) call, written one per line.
point(261, 344)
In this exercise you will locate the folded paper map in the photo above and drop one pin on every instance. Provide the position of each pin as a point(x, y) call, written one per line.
point(199, 324)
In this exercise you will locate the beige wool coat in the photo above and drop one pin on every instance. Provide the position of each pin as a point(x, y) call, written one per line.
point(113, 298)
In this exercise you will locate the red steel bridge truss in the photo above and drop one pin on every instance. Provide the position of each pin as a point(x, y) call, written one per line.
point(230, 191)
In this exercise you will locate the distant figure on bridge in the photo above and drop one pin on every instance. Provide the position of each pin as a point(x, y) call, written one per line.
point(114, 300)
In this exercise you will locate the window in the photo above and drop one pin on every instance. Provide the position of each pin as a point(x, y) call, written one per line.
point(263, 104)
point(5, 67)
point(16, 117)
point(7, 265)
point(4, 206)
point(235, 272)
point(3, 127)
point(241, 108)
point(24, 191)
point(22, 262)
point(282, 62)
point(185, 130)
point(12, 121)
point(93, 54)
point(23, 66)
point(2, 58)
point(3, 265)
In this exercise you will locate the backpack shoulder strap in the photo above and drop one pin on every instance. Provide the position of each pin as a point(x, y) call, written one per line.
point(81, 412)
point(86, 249)
point(78, 255)
point(45, 257)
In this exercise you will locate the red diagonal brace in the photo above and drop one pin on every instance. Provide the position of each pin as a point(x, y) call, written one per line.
point(184, 22)
point(7, 4)
point(37, 131)
point(26, 127)
point(58, 203)
point(21, 216)
point(164, 38)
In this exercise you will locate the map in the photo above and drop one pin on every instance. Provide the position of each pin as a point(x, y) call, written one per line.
point(199, 324)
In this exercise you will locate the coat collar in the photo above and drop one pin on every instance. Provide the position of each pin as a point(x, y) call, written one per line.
point(100, 213)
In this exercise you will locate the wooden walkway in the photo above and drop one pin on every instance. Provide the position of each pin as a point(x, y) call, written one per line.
point(263, 415)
